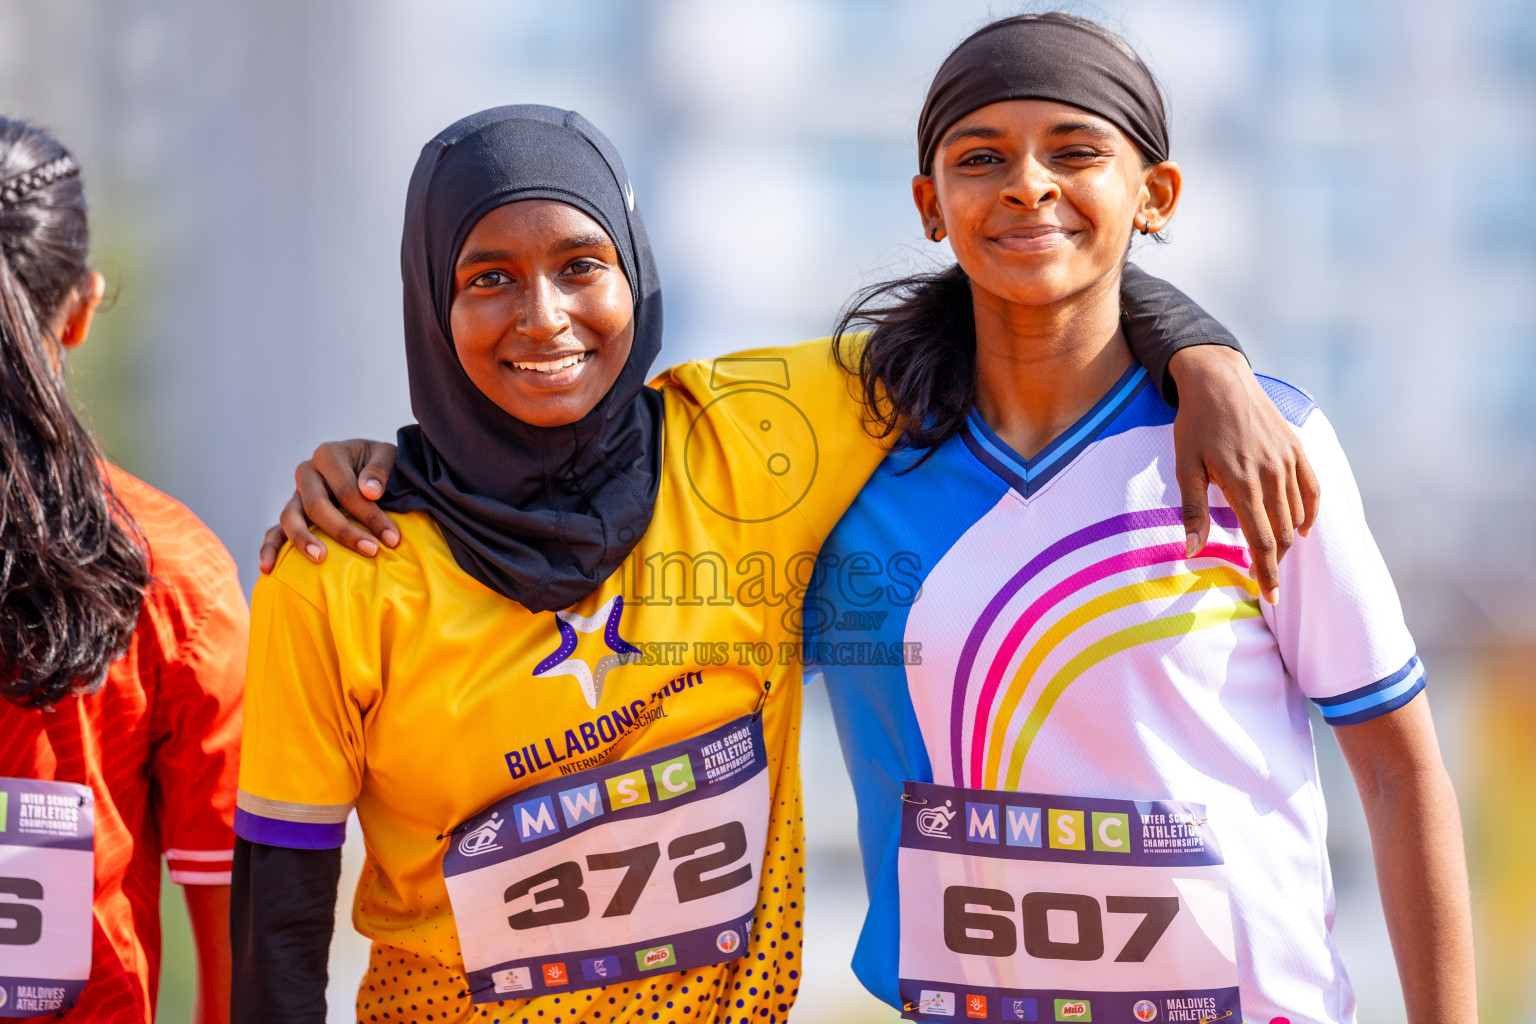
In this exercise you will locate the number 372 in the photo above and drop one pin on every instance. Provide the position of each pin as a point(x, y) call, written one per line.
point(562, 884)
point(980, 934)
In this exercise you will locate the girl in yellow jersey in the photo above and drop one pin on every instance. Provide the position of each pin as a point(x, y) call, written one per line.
point(564, 703)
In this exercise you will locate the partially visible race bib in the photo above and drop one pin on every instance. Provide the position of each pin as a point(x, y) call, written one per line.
point(639, 867)
point(47, 880)
point(1030, 907)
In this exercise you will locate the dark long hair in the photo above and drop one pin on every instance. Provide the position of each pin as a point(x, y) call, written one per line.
point(917, 365)
point(73, 566)
point(912, 341)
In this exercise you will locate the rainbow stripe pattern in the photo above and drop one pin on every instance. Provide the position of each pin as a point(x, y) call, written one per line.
point(979, 762)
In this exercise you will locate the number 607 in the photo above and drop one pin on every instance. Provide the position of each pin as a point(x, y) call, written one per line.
point(993, 934)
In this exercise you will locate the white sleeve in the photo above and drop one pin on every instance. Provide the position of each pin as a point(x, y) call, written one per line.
point(1339, 622)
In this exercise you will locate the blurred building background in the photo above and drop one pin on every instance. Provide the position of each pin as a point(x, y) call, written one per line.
point(1361, 208)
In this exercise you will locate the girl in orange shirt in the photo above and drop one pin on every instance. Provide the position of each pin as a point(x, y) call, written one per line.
point(122, 655)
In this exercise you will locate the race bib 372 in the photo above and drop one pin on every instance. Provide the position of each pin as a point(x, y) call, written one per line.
point(635, 868)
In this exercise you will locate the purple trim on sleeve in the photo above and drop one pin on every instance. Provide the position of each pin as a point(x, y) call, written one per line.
point(294, 835)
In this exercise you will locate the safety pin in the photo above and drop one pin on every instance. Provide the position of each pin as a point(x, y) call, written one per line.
point(455, 831)
point(913, 799)
point(1212, 1020)
point(757, 712)
point(1192, 823)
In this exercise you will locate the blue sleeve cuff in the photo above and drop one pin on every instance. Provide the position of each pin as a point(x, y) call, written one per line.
point(1375, 699)
point(295, 835)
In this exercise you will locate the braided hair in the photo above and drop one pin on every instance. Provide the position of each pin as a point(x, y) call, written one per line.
point(73, 565)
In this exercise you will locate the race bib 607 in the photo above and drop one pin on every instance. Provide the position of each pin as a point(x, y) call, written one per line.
point(1039, 907)
point(639, 867)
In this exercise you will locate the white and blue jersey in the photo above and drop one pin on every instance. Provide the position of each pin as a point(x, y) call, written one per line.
point(1033, 626)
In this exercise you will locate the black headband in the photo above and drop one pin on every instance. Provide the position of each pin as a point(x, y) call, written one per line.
point(1041, 58)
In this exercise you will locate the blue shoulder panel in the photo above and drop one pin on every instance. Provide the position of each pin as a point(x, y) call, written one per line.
point(871, 570)
point(1294, 404)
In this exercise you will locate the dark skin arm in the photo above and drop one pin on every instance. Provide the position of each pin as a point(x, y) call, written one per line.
point(351, 474)
point(1227, 432)
point(208, 910)
point(1421, 866)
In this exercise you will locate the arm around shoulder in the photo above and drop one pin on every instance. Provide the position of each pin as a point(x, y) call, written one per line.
point(1227, 432)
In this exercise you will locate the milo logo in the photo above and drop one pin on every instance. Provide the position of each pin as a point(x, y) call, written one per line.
point(656, 956)
point(1073, 1009)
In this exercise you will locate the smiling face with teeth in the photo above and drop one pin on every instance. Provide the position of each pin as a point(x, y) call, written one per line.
point(1039, 200)
point(542, 315)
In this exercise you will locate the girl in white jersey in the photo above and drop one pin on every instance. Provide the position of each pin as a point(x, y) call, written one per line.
point(1094, 797)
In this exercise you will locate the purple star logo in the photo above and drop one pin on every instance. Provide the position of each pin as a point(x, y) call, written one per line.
point(590, 676)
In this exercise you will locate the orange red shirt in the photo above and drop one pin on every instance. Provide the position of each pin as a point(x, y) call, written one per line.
point(158, 745)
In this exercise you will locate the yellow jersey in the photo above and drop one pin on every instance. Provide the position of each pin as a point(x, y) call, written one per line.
point(402, 687)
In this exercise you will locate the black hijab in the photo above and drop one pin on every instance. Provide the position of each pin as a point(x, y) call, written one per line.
point(542, 515)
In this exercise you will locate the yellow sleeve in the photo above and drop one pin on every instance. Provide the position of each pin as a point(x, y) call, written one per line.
point(787, 435)
point(301, 764)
